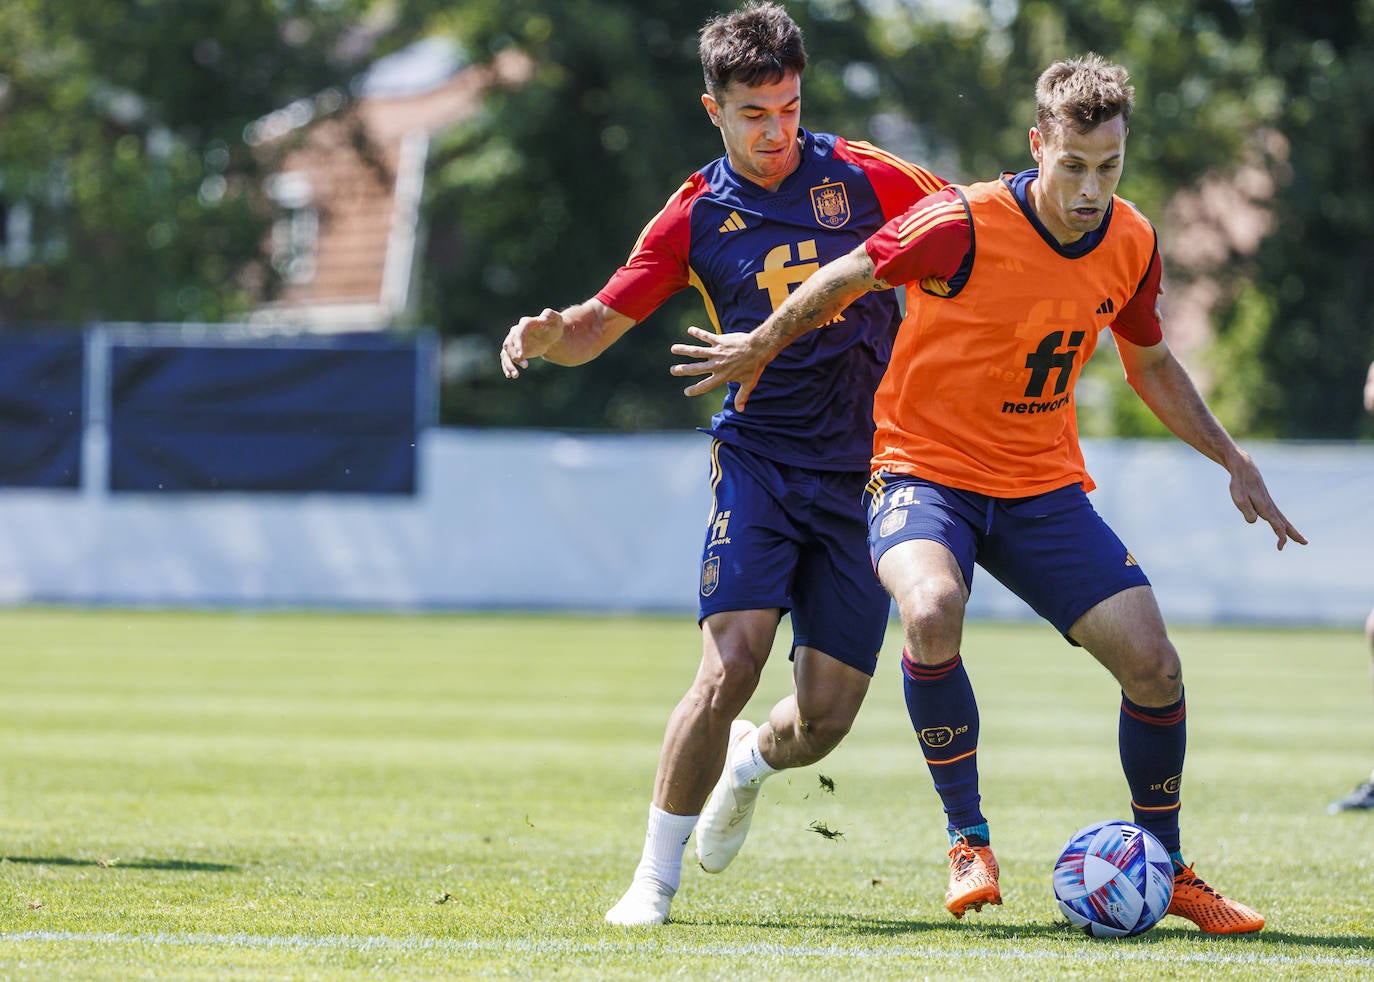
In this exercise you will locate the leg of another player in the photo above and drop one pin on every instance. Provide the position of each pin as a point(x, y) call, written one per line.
point(1126, 633)
point(801, 729)
point(1366, 800)
point(1369, 636)
point(925, 580)
point(735, 646)
point(1362, 798)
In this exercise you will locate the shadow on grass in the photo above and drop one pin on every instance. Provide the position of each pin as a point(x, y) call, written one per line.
point(894, 928)
point(1358, 944)
point(182, 865)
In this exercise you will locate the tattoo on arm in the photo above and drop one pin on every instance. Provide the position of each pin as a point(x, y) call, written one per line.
point(809, 310)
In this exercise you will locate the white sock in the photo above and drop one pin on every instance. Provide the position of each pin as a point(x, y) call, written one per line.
point(665, 841)
point(747, 765)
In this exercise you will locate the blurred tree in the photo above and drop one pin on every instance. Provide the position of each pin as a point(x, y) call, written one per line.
point(1316, 281)
point(126, 188)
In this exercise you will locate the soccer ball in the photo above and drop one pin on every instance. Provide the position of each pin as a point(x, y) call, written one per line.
point(1113, 880)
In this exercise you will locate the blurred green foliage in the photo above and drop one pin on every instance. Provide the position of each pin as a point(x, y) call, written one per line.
point(123, 139)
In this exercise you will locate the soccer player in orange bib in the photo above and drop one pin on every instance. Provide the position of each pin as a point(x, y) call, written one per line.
point(976, 456)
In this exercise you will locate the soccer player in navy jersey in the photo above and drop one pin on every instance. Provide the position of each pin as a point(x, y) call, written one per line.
point(786, 531)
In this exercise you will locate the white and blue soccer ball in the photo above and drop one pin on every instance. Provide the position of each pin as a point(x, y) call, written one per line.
point(1113, 880)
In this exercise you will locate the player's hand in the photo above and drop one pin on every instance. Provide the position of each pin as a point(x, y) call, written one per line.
point(530, 338)
point(1252, 498)
point(722, 358)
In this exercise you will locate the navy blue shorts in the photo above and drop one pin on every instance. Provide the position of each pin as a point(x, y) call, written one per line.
point(794, 538)
point(1052, 550)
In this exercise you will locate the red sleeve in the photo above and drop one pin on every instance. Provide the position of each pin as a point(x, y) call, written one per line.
point(897, 183)
point(1138, 321)
point(657, 267)
point(929, 241)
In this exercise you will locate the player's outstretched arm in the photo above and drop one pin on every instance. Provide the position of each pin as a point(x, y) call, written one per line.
point(568, 337)
point(741, 357)
point(1164, 385)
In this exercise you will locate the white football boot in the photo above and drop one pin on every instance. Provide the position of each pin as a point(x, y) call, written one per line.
point(725, 820)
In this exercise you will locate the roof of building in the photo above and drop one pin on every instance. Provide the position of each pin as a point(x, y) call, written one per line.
point(365, 193)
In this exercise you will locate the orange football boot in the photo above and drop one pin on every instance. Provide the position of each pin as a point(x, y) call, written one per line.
point(972, 878)
point(1209, 910)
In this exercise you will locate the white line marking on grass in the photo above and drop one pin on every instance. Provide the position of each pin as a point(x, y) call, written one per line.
point(346, 942)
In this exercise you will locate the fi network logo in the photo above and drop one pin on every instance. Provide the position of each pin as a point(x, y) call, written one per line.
point(720, 530)
point(1048, 363)
point(781, 273)
point(1047, 359)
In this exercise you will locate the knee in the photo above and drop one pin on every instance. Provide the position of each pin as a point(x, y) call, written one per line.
point(1369, 630)
point(932, 617)
point(1155, 677)
point(823, 733)
point(727, 684)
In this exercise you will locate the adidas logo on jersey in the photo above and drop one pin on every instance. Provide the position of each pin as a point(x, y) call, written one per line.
point(732, 224)
point(1107, 307)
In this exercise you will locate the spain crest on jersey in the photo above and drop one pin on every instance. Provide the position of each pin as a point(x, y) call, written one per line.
point(710, 576)
point(831, 204)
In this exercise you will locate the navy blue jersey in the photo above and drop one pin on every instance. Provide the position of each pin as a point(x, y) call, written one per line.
point(745, 249)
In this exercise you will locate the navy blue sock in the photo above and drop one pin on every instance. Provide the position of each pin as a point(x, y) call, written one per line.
point(1152, 743)
point(944, 713)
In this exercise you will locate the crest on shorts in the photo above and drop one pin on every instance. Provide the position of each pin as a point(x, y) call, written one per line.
point(831, 204)
point(710, 576)
point(893, 521)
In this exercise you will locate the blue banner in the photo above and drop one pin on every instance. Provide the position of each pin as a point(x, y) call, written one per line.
point(339, 415)
point(41, 391)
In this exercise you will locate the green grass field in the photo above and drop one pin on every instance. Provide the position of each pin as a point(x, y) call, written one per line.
point(318, 796)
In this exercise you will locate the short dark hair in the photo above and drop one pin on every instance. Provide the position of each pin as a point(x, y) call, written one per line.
point(1082, 93)
point(756, 45)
